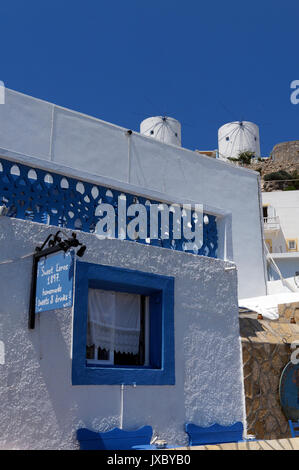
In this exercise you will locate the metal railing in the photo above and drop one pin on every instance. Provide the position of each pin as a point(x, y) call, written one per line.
point(271, 223)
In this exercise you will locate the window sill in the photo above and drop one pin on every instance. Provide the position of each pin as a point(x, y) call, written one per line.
point(122, 375)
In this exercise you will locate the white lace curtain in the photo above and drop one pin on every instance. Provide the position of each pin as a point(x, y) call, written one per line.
point(113, 321)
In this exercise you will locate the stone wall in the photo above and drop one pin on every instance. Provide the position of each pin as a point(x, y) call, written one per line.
point(266, 167)
point(284, 156)
point(266, 351)
point(286, 152)
point(263, 365)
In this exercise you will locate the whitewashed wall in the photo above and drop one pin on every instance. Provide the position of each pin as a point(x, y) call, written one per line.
point(34, 128)
point(39, 407)
point(286, 205)
point(288, 266)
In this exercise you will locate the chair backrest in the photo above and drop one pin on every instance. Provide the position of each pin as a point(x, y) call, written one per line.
point(215, 434)
point(116, 439)
point(294, 426)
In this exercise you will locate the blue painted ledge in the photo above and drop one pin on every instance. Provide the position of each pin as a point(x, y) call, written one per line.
point(215, 434)
point(116, 439)
point(43, 196)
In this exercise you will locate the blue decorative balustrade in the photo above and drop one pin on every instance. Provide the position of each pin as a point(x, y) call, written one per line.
point(51, 198)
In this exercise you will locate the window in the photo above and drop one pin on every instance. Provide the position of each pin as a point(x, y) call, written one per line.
point(117, 328)
point(123, 330)
point(265, 212)
point(291, 244)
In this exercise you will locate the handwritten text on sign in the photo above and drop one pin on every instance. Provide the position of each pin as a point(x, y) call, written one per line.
point(54, 283)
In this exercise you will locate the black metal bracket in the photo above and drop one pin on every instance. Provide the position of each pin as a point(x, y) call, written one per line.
point(55, 244)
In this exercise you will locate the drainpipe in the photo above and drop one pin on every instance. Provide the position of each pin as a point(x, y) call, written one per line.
point(262, 231)
point(128, 134)
point(121, 417)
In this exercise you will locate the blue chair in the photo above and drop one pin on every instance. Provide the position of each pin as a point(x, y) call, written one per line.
point(116, 439)
point(215, 434)
point(294, 426)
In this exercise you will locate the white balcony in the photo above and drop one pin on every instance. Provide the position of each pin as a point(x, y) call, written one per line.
point(271, 224)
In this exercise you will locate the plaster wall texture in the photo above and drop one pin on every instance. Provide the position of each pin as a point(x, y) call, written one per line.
point(40, 409)
point(45, 131)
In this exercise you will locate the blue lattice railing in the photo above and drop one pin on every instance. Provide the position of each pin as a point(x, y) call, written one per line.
point(51, 198)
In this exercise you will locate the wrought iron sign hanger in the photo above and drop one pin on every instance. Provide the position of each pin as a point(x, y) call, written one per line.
point(52, 244)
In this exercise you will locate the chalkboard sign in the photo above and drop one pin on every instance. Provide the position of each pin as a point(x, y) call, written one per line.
point(54, 282)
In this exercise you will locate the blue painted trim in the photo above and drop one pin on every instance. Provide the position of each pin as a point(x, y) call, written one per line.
point(116, 439)
point(62, 203)
point(294, 427)
point(160, 290)
point(215, 434)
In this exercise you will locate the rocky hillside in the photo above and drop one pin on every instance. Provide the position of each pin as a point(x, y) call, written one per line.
point(276, 176)
point(281, 171)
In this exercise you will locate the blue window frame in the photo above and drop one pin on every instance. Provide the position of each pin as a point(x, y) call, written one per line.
point(160, 291)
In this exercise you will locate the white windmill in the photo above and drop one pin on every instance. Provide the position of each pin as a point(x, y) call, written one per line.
point(237, 137)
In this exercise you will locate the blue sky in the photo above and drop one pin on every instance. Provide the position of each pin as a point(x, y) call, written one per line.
point(203, 62)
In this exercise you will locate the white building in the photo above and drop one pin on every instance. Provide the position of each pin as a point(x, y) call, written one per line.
point(46, 135)
point(281, 229)
point(57, 168)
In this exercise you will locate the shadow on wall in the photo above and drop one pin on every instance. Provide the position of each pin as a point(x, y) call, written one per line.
point(250, 328)
point(69, 407)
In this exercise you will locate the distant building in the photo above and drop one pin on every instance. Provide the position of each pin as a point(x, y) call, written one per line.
point(281, 231)
point(208, 153)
